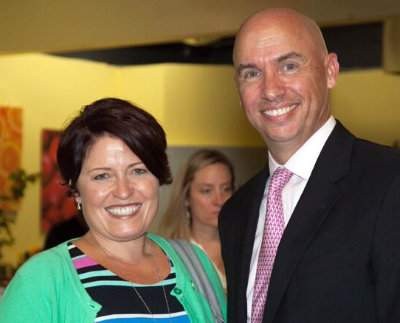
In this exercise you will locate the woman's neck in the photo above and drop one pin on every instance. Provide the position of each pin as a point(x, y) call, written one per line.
point(131, 252)
point(204, 234)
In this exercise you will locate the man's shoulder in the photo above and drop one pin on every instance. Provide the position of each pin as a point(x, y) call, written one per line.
point(364, 153)
point(249, 190)
point(377, 155)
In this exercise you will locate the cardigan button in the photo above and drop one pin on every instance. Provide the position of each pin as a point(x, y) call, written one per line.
point(177, 291)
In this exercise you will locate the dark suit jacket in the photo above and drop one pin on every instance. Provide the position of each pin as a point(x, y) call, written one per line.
point(339, 257)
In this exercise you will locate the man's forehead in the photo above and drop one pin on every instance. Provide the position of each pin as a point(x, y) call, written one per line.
point(280, 28)
point(272, 42)
point(267, 37)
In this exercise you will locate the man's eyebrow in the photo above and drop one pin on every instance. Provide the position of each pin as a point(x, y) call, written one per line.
point(291, 55)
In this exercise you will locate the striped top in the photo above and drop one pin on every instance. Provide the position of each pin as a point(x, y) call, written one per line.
point(118, 298)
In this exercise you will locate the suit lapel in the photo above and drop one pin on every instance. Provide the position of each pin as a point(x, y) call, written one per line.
point(320, 194)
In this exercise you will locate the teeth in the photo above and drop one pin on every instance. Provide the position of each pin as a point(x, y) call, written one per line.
point(123, 211)
point(280, 111)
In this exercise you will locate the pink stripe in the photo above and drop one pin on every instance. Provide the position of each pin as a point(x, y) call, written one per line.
point(84, 262)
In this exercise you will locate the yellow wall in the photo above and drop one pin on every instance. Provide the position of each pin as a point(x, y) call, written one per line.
point(196, 104)
point(368, 103)
point(52, 89)
point(144, 86)
point(202, 108)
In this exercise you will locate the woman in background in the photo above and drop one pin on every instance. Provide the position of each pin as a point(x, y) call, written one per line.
point(198, 193)
point(112, 158)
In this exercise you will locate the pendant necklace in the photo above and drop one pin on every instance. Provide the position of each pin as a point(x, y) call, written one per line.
point(157, 270)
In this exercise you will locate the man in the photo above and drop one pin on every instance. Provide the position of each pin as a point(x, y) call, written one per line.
point(335, 254)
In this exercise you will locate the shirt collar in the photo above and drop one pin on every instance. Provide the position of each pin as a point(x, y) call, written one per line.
point(303, 160)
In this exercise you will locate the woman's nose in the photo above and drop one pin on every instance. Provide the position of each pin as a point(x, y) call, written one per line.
point(123, 188)
point(219, 198)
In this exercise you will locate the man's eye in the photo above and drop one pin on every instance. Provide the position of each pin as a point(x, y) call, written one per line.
point(290, 67)
point(249, 74)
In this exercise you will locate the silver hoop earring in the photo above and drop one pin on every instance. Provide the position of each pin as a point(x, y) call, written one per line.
point(79, 205)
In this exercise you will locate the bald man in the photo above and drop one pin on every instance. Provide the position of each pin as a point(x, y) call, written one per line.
point(326, 248)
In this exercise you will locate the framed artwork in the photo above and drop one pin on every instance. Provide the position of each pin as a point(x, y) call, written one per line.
point(10, 150)
point(56, 205)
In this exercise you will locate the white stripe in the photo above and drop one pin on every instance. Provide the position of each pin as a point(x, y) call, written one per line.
point(116, 316)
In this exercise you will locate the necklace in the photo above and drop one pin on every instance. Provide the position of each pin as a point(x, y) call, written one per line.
point(140, 296)
point(147, 306)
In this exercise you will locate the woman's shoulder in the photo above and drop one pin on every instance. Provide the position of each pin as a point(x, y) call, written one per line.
point(182, 250)
point(45, 261)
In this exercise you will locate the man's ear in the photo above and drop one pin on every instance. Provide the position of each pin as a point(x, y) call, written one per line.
point(332, 66)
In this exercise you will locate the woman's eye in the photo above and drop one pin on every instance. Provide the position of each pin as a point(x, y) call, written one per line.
point(228, 189)
point(100, 177)
point(205, 191)
point(140, 171)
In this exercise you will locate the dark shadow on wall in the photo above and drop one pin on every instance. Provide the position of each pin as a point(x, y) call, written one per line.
point(358, 46)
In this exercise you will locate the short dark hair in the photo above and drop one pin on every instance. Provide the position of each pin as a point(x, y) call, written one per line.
point(138, 129)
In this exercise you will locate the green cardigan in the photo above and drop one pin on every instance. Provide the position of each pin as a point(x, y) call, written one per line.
point(47, 289)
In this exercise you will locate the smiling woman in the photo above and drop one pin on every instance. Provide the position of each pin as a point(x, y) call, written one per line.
point(112, 158)
point(117, 193)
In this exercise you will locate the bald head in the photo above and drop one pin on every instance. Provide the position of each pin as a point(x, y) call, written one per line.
point(281, 20)
point(284, 74)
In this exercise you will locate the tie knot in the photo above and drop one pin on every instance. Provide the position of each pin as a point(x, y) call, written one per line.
point(280, 178)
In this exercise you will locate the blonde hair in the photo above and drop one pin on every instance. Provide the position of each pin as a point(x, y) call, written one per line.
point(176, 221)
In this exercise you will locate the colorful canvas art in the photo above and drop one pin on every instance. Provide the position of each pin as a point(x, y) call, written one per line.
point(57, 206)
point(10, 149)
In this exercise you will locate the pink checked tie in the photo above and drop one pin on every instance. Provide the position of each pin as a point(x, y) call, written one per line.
point(273, 230)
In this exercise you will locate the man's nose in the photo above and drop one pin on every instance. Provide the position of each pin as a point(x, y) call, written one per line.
point(273, 87)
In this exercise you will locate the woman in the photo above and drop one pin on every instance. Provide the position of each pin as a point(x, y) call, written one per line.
point(112, 157)
point(202, 187)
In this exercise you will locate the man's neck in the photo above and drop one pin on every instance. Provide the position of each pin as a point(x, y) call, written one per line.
point(283, 151)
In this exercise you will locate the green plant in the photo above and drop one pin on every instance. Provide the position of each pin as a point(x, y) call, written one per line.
point(19, 179)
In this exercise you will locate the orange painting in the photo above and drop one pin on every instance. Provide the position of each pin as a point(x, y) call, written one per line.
point(10, 149)
point(56, 205)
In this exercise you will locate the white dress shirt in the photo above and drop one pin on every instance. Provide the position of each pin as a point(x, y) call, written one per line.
point(301, 164)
